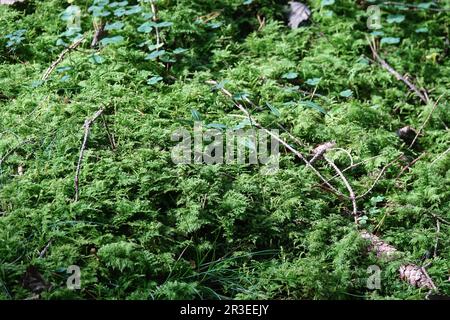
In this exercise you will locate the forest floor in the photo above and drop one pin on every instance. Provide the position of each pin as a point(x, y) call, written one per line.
point(136, 225)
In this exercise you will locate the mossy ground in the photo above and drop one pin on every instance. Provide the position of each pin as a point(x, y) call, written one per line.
point(145, 228)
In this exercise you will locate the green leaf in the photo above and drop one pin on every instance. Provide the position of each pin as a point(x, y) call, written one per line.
point(422, 30)
point(290, 75)
point(313, 105)
point(346, 93)
point(96, 59)
point(327, 3)
point(133, 10)
point(164, 24)
point(179, 50)
point(390, 40)
point(155, 54)
point(118, 4)
point(111, 40)
point(154, 80)
point(395, 18)
point(114, 26)
point(146, 27)
point(313, 82)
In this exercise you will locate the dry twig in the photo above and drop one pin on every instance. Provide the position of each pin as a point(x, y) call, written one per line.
point(397, 75)
point(61, 56)
point(87, 128)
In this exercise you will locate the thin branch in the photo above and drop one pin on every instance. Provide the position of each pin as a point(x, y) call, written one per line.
point(348, 186)
point(87, 128)
point(61, 56)
point(409, 165)
point(44, 251)
point(155, 19)
point(99, 34)
point(111, 139)
point(397, 75)
point(426, 120)
point(276, 137)
point(378, 177)
point(440, 156)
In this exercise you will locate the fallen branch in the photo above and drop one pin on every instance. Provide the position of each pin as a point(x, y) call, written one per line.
point(409, 165)
point(440, 156)
point(70, 48)
point(276, 137)
point(87, 128)
point(111, 139)
point(99, 34)
point(397, 75)
point(426, 120)
point(415, 275)
point(347, 185)
point(378, 177)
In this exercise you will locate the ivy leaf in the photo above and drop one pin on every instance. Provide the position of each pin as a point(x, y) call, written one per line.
point(119, 12)
point(114, 26)
point(179, 50)
point(377, 33)
point(118, 4)
point(164, 24)
point(196, 115)
point(395, 18)
point(313, 105)
point(214, 25)
point(290, 75)
point(327, 3)
point(111, 40)
point(96, 59)
point(153, 47)
point(154, 80)
point(155, 54)
point(422, 30)
point(146, 27)
point(390, 40)
point(313, 82)
point(133, 10)
point(346, 93)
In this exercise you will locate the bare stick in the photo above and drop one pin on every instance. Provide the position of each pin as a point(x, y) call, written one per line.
point(111, 139)
point(276, 137)
point(426, 120)
point(44, 251)
point(155, 18)
point(87, 128)
point(347, 185)
point(440, 156)
point(61, 56)
point(378, 177)
point(99, 34)
point(409, 165)
point(397, 75)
